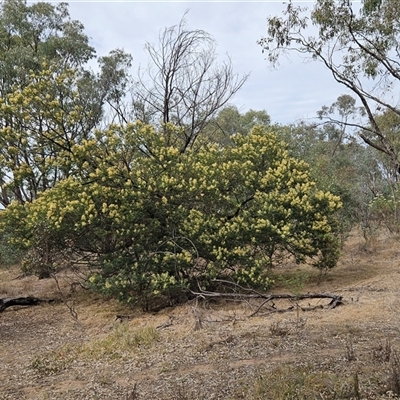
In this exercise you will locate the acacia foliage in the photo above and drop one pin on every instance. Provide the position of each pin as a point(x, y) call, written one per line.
point(158, 222)
point(339, 164)
point(49, 99)
point(39, 124)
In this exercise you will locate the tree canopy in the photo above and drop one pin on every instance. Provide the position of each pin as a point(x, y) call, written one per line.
point(359, 46)
point(32, 34)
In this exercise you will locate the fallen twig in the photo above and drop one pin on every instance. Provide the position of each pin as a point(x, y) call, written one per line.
point(122, 318)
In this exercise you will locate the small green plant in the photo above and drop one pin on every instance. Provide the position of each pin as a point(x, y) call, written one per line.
point(54, 362)
point(122, 340)
point(386, 209)
point(303, 383)
point(146, 336)
point(371, 236)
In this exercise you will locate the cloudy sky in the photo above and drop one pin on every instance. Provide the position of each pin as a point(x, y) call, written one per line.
point(295, 91)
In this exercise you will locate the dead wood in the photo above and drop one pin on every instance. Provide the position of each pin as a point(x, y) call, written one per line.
point(198, 324)
point(167, 323)
point(122, 318)
point(21, 301)
point(336, 300)
point(268, 300)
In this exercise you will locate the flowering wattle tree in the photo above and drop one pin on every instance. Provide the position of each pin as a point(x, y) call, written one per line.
point(156, 222)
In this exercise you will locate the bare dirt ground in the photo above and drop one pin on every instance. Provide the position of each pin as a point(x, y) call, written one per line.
point(213, 350)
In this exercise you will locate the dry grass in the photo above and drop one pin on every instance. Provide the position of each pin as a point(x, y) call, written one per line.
point(351, 352)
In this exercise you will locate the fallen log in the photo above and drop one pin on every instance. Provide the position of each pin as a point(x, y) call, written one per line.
point(21, 301)
point(268, 300)
point(336, 300)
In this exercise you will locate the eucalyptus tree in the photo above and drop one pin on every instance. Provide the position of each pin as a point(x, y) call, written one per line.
point(33, 34)
point(230, 122)
point(358, 44)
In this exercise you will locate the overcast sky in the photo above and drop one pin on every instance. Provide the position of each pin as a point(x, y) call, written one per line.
point(295, 91)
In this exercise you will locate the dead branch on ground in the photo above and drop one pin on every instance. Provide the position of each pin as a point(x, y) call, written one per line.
point(22, 301)
point(268, 299)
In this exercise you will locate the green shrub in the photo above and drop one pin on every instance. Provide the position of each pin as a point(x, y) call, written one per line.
point(159, 222)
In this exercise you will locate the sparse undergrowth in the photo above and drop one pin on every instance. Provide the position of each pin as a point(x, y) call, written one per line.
point(120, 343)
point(211, 350)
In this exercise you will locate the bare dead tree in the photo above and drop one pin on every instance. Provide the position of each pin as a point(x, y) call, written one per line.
point(184, 84)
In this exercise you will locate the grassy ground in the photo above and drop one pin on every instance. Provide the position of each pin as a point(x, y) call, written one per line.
point(210, 350)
